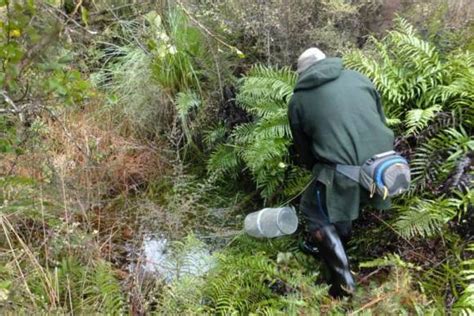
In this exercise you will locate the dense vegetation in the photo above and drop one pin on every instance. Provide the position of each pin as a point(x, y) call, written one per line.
point(124, 119)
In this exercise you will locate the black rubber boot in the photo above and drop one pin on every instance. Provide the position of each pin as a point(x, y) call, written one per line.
point(344, 230)
point(333, 253)
point(309, 248)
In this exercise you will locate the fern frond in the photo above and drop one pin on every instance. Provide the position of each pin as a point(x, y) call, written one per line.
point(224, 160)
point(262, 144)
point(259, 154)
point(390, 260)
point(411, 75)
point(244, 133)
point(104, 290)
point(273, 126)
point(238, 284)
point(296, 180)
point(465, 303)
point(435, 159)
point(281, 82)
point(418, 119)
point(215, 136)
point(424, 218)
point(185, 101)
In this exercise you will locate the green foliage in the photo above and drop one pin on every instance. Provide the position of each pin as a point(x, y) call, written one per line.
point(425, 218)
point(229, 292)
point(431, 97)
point(418, 85)
point(272, 277)
point(79, 288)
point(67, 85)
point(412, 76)
point(58, 273)
point(185, 103)
point(14, 29)
point(8, 135)
point(418, 119)
point(182, 297)
point(103, 290)
point(436, 158)
point(175, 47)
point(451, 275)
point(261, 146)
point(399, 291)
point(465, 304)
point(128, 79)
point(163, 71)
point(390, 260)
point(251, 277)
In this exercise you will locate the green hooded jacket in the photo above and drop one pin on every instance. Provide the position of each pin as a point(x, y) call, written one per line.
point(336, 117)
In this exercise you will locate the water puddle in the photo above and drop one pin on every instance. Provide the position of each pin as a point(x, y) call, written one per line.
point(169, 261)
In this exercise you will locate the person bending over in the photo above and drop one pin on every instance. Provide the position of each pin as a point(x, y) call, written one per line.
point(336, 117)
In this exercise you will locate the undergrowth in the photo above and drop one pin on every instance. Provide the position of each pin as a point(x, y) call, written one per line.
point(119, 121)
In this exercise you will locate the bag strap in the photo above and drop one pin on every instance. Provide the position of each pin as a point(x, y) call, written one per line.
point(352, 172)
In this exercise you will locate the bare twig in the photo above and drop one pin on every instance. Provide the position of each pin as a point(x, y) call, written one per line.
point(392, 229)
point(79, 4)
point(373, 302)
point(16, 109)
point(370, 274)
point(205, 29)
point(68, 18)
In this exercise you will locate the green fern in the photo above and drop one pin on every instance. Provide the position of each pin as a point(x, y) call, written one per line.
point(411, 75)
point(418, 119)
point(434, 159)
point(465, 303)
point(215, 136)
point(251, 279)
point(261, 146)
point(424, 218)
point(390, 260)
point(184, 103)
point(104, 291)
point(224, 161)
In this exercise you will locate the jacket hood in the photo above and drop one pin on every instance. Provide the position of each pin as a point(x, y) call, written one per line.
point(318, 74)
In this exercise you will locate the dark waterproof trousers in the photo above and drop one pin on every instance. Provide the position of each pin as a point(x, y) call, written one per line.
point(315, 214)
